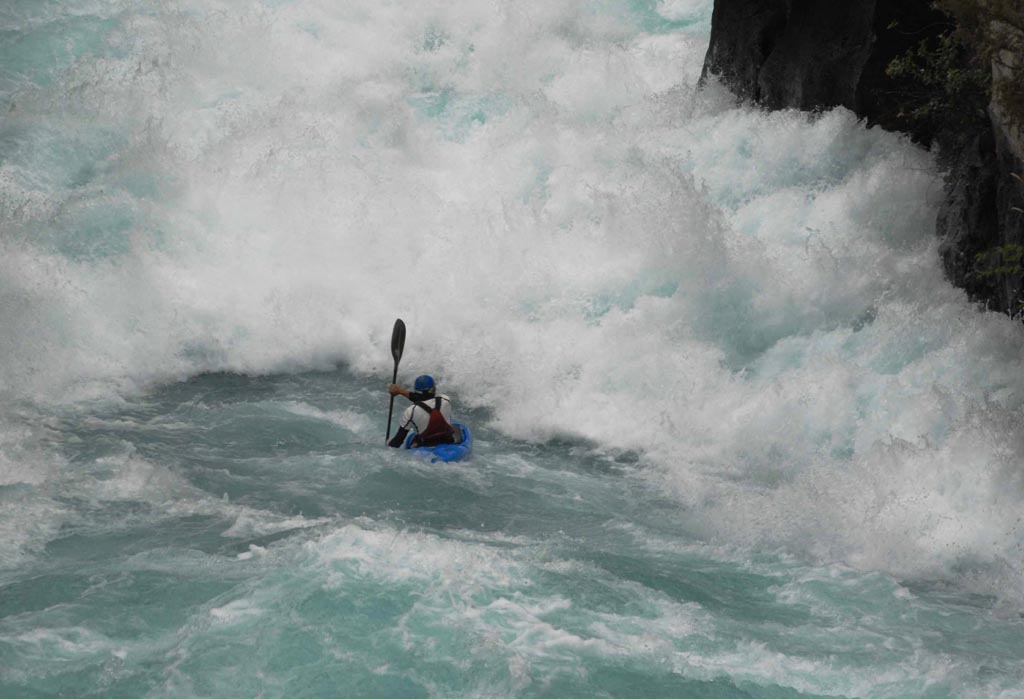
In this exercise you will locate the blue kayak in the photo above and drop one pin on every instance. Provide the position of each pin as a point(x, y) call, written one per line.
point(445, 452)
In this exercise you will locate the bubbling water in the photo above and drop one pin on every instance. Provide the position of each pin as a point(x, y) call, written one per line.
point(578, 239)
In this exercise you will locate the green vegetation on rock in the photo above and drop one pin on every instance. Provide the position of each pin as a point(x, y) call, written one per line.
point(949, 80)
point(994, 29)
point(945, 88)
point(999, 261)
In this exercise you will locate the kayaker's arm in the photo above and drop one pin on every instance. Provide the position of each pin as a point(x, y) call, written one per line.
point(399, 438)
point(396, 390)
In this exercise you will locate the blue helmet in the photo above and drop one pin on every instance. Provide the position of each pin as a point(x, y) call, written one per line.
point(424, 384)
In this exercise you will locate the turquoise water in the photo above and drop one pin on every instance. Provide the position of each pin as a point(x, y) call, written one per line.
point(735, 434)
point(233, 536)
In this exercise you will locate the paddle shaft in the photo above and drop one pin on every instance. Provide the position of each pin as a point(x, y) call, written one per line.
point(397, 347)
point(391, 407)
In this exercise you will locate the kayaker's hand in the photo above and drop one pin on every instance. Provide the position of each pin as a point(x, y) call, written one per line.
point(395, 389)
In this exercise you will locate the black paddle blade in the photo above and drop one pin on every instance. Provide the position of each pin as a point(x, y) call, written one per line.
point(398, 340)
point(397, 345)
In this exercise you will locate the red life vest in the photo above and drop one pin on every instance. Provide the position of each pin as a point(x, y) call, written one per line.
point(438, 431)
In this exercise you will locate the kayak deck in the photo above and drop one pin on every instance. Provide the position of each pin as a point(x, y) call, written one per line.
point(445, 452)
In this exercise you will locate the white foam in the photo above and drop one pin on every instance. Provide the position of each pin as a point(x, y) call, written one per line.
point(254, 550)
point(29, 521)
point(754, 300)
point(249, 523)
point(128, 477)
point(411, 556)
point(62, 642)
point(236, 611)
point(349, 419)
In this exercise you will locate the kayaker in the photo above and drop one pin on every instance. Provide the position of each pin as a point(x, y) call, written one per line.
point(430, 415)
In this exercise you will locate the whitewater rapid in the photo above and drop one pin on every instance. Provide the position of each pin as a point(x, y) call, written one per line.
point(744, 311)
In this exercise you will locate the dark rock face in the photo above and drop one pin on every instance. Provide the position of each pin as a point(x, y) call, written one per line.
point(743, 35)
point(811, 54)
point(898, 26)
point(819, 54)
point(968, 223)
point(981, 223)
point(1010, 223)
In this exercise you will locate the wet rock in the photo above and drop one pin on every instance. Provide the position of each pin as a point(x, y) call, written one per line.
point(809, 54)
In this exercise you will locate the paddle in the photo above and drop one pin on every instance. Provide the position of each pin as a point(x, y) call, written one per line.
point(397, 345)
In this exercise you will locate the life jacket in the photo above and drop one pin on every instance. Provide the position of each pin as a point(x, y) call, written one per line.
point(438, 431)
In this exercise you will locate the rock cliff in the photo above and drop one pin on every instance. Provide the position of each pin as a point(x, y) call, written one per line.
point(808, 54)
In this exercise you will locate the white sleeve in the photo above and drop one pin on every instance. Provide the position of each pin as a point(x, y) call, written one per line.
point(406, 422)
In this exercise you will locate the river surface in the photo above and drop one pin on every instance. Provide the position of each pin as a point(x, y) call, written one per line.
point(736, 436)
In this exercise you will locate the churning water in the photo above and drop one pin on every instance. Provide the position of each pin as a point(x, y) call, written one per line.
point(736, 435)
